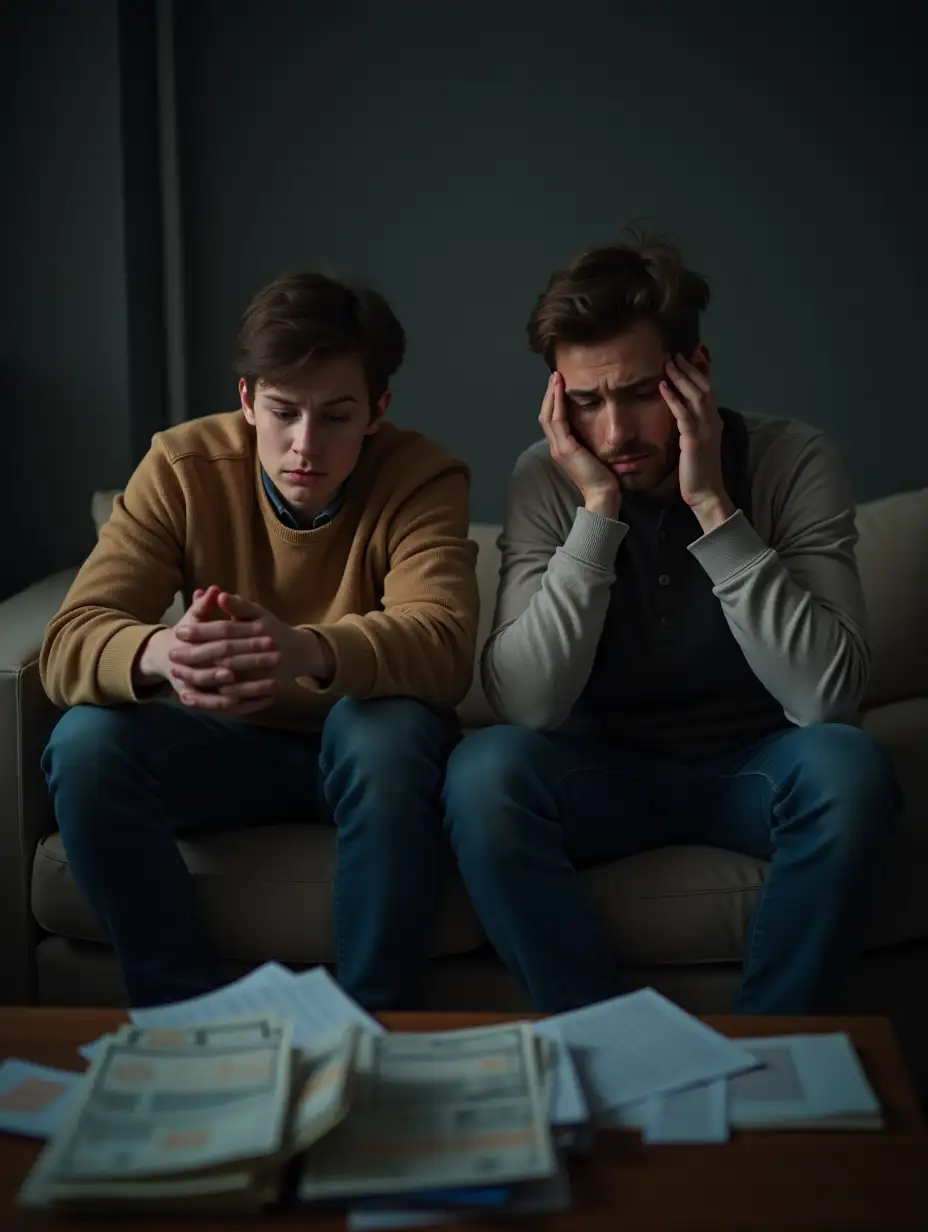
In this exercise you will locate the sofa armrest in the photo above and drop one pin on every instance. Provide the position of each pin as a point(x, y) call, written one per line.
point(26, 720)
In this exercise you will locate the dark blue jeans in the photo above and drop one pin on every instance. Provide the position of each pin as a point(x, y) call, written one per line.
point(126, 779)
point(525, 810)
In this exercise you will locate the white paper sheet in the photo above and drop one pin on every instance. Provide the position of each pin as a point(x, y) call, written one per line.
point(640, 1045)
point(317, 1004)
point(568, 1102)
point(312, 1000)
point(34, 1098)
point(696, 1114)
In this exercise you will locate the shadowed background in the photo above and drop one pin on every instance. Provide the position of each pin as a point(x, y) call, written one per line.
point(452, 154)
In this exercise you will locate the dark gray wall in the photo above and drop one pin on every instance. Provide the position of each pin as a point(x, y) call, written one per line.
point(454, 152)
point(63, 347)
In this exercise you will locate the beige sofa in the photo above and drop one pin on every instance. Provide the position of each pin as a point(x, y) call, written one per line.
point(677, 916)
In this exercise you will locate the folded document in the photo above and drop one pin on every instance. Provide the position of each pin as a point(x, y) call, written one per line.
point(641, 1044)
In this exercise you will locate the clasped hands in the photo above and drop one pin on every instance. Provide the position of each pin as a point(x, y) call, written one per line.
point(229, 656)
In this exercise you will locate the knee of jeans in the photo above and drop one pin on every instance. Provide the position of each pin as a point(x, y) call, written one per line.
point(489, 772)
point(380, 734)
point(849, 770)
point(79, 743)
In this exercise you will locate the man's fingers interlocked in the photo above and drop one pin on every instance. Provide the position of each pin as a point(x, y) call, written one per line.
point(215, 654)
point(228, 670)
point(219, 630)
point(249, 690)
point(202, 677)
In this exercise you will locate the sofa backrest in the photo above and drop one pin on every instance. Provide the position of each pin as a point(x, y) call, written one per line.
point(892, 555)
point(893, 558)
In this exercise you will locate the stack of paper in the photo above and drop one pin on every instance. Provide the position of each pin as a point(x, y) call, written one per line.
point(315, 1003)
point(177, 1119)
point(602, 1056)
point(451, 1109)
point(204, 1117)
point(634, 1061)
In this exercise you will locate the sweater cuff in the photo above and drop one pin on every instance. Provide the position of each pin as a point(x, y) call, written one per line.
point(595, 539)
point(355, 662)
point(117, 660)
point(729, 548)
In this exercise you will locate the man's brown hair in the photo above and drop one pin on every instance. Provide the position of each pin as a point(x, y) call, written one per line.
point(605, 291)
point(307, 316)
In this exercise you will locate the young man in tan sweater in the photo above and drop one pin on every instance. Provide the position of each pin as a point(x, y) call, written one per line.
point(330, 624)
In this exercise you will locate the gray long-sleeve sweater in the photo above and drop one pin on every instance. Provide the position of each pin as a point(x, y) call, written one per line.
point(685, 643)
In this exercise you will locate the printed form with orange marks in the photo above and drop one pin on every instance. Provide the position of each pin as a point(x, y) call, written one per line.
point(438, 1110)
point(34, 1098)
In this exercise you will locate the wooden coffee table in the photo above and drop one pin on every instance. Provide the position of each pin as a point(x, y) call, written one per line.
point(758, 1180)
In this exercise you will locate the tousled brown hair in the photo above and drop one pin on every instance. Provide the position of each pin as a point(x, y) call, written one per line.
point(605, 291)
point(307, 316)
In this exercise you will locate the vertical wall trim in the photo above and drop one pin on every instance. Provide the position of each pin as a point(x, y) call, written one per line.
point(172, 245)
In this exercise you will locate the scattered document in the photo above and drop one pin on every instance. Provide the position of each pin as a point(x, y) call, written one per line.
point(802, 1082)
point(641, 1044)
point(311, 1000)
point(807, 1082)
point(696, 1114)
point(34, 1098)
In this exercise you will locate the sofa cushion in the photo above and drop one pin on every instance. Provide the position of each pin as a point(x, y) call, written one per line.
point(267, 892)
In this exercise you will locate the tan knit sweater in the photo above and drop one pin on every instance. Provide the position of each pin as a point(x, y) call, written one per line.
point(389, 583)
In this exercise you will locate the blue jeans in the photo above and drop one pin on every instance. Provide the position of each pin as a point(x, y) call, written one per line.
point(126, 779)
point(526, 809)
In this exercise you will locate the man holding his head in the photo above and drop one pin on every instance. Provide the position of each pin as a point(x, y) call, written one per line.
point(330, 628)
point(679, 652)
